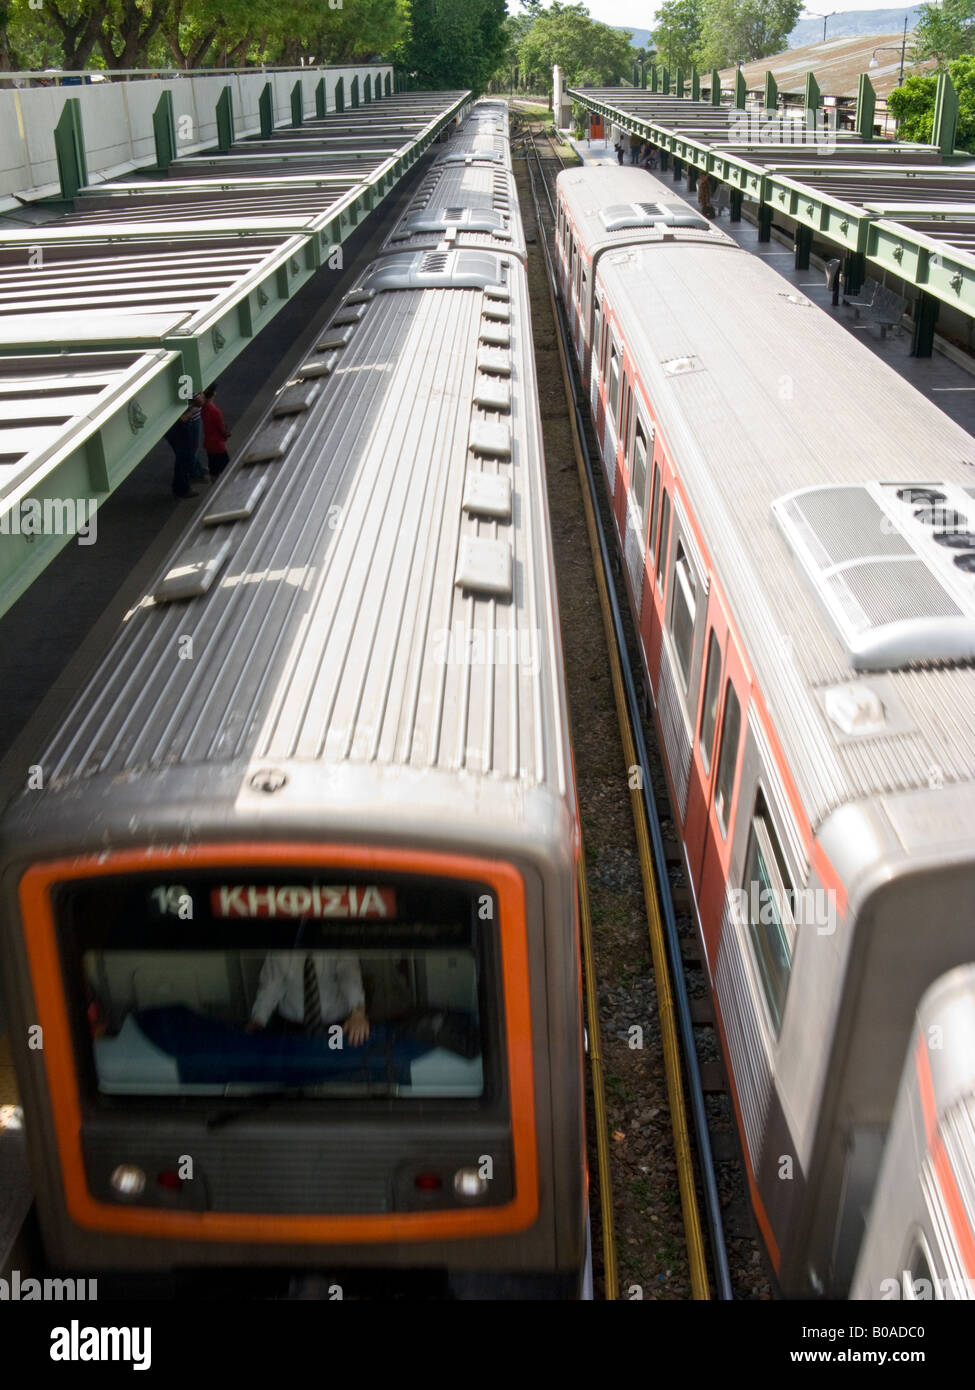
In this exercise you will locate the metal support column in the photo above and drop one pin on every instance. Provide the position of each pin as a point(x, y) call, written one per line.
point(735, 211)
point(297, 104)
point(764, 222)
point(321, 99)
point(854, 272)
point(340, 94)
point(925, 317)
point(715, 88)
point(866, 107)
point(265, 108)
point(354, 91)
point(678, 169)
point(691, 178)
point(69, 148)
point(225, 120)
point(803, 246)
point(164, 130)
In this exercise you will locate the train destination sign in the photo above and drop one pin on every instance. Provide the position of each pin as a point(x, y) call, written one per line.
point(302, 900)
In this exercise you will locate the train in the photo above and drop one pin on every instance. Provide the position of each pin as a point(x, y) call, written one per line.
point(797, 531)
point(289, 926)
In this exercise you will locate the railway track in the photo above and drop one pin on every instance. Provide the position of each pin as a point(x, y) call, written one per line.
point(711, 1177)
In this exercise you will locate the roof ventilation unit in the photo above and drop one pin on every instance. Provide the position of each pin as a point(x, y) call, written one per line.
point(887, 587)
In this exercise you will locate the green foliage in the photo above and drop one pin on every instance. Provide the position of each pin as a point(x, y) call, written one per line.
point(678, 31)
point(946, 31)
point(736, 31)
point(912, 105)
point(199, 33)
point(456, 43)
point(585, 50)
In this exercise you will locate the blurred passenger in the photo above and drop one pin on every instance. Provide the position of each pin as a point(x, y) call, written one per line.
point(179, 437)
point(215, 433)
point(307, 992)
point(704, 195)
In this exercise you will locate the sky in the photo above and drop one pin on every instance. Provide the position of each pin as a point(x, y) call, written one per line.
point(632, 14)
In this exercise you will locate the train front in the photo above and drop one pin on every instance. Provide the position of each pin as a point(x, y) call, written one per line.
point(276, 1051)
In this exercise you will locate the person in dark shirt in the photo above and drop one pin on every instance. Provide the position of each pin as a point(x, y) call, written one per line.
point(180, 438)
point(215, 433)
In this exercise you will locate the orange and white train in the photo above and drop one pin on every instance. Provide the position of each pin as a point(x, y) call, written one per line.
point(798, 531)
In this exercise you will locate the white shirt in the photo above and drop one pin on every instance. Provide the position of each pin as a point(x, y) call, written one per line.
point(282, 986)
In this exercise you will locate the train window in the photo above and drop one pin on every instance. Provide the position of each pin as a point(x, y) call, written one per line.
point(683, 608)
point(654, 501)
point(664, 530)
point(627, 407)
point(712, 687)
point(596, 330)
point(614, 383)
point(769, 896)
point(728, 757)
point(638, 486)
point(245, 982)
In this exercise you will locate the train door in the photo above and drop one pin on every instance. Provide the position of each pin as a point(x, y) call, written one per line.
point(623, 456)
point(594, 360)
point(657, 565)
point(722, 724)
point(638, 510)
point(613, 364)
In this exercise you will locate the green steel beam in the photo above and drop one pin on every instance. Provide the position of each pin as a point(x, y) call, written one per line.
point(866, 107)
point(340, 94)
point(813, 98)
point(771, 93)
point(265, 106)
point(69, 149)
point(164, 130)
point(225, 120)
point(97, 450)
point(695, 84)
point(297, 105)
point(321, 99)
point(367, 89)
point(945, 116)
point(741, 90)
point(715, 88)
point(354, 91)
point(680, 83)
point(388, 85)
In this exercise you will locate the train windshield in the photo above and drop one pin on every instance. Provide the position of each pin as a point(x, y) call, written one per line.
point(242, 984)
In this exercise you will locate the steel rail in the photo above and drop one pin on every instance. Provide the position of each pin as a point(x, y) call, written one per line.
point(662, 924)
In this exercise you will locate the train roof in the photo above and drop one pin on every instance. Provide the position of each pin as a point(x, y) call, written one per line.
point(795, 447)
point(383, 612)
point(614, 205)
point(464, 206)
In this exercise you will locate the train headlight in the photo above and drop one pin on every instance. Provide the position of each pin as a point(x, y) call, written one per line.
point(469, 1183)
point(128, 1180)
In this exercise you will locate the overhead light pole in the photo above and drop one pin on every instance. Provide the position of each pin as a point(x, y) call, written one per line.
point(889, 47)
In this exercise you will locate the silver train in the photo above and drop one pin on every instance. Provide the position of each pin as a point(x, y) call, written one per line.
point(321, 785)
point(797, 527)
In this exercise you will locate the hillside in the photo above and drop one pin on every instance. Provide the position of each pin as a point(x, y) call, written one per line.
point(850, 25)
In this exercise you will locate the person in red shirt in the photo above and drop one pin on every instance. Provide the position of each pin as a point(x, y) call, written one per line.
point(215, 433)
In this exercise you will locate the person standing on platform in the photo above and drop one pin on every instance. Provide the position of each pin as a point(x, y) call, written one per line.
point(179, 437)
point(195, 413)
point(618, 147)
point(215, 433)
point(704, 195)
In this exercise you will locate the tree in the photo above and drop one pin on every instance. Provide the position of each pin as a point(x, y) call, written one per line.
point(912, 104)
point(678, 32)
point(945, 31)
point(455, 43)
point(568, 36)
point(736, 31)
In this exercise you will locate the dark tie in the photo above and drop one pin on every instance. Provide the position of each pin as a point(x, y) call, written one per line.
point(312, 1001)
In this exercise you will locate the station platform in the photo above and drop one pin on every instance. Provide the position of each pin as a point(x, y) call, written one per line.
point(950, 385)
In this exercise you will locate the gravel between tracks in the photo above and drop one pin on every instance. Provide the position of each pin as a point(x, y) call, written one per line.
point(651, 1249)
